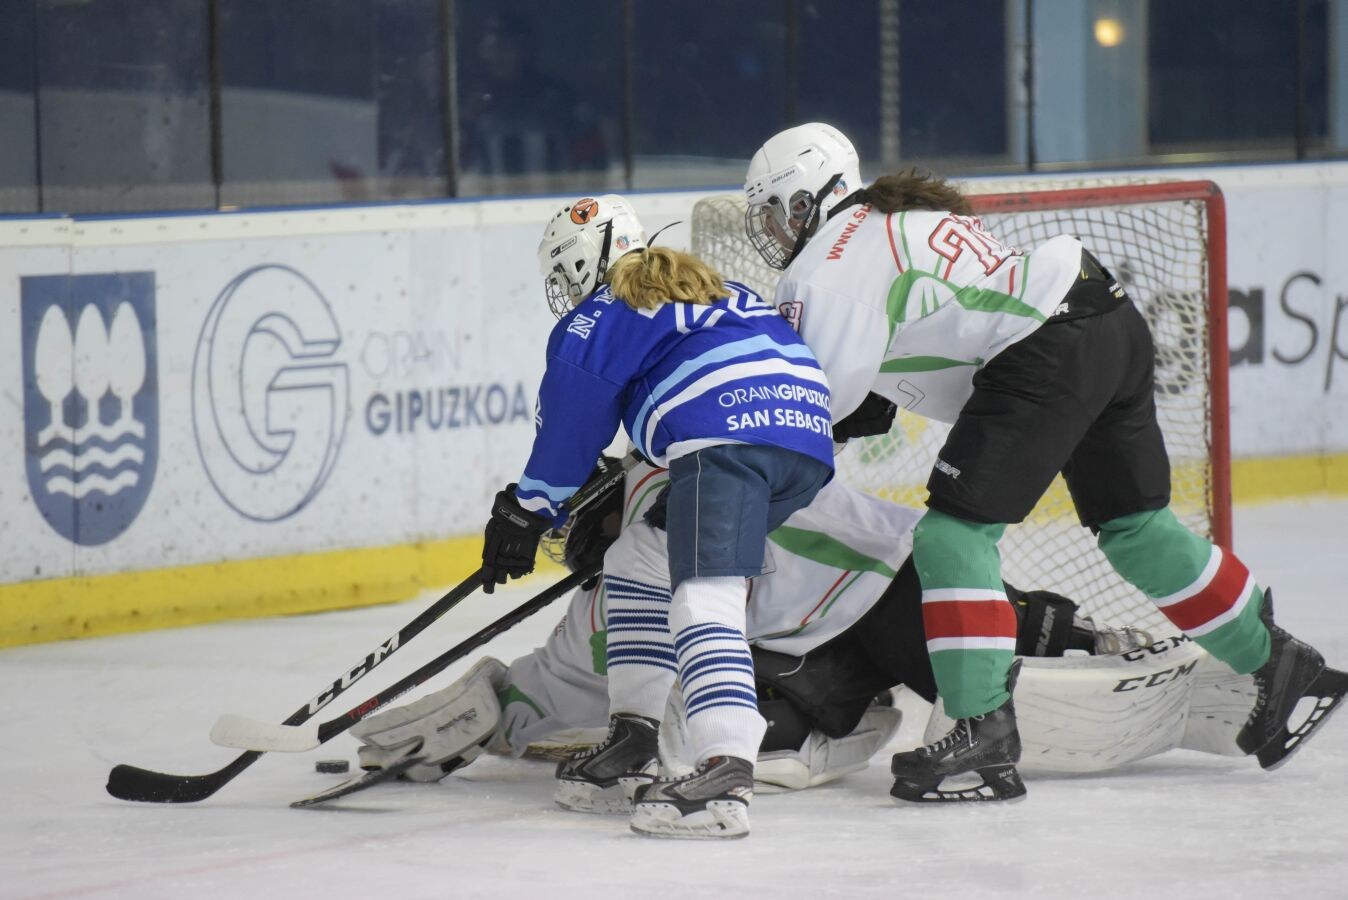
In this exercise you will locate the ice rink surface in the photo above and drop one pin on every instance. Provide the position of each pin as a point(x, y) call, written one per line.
point(1179, 825)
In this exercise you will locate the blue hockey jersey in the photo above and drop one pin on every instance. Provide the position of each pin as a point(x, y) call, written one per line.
point(678, 378)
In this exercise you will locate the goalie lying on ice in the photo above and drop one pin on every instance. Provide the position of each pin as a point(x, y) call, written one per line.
point(835, 622)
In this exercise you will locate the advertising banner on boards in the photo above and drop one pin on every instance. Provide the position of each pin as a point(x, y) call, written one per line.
point(186, 390)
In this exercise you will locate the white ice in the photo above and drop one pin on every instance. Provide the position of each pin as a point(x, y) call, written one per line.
point(1179, 825)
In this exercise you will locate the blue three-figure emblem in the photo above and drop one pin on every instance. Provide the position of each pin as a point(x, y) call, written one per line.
point(90, 399)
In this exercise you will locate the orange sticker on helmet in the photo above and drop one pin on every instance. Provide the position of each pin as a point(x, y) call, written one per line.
point(584, 210)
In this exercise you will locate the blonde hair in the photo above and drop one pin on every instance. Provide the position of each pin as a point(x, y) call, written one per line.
point(646, 279)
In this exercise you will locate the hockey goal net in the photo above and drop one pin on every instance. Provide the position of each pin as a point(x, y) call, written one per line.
point(1165, 241)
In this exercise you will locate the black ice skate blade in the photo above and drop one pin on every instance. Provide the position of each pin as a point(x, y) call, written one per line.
point(1328, 689)
point(360, 782)
point(1001, 784)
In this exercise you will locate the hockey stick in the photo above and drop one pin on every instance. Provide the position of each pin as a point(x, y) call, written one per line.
point(133, 783)
point(250, 734)
point(127, 782)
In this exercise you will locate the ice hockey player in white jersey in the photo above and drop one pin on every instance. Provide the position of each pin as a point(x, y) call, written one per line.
point(1044, 365)
point(845, 625)
point(710, 381)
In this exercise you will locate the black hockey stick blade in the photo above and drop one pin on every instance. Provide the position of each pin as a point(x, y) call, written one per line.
point(134, 783)
point(360, 782)
point(146, 786)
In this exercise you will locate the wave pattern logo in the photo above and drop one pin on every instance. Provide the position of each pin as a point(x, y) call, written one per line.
point(269, 399)
point(91, 408)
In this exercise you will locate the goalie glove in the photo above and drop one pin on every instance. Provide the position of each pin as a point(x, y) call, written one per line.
point(510, 540)
point(451, 726)
point(874, 416)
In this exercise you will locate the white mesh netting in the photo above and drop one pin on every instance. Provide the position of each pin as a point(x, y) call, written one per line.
point(1159, 250)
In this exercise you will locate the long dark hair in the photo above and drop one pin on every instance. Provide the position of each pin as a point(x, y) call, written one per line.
point(915, 188)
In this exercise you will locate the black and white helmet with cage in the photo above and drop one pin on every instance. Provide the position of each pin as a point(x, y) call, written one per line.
point(793, 181)
point(580, 242)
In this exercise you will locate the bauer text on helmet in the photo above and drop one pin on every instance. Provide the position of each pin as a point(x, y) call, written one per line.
point(580, 242)
point(793, 182)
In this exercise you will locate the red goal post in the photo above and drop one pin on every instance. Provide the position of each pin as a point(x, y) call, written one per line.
point(1166, 242)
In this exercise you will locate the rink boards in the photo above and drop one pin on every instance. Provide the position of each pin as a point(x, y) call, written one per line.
point(236, 414)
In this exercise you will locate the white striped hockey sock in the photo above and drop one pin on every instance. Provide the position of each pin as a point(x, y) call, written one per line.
point(641, 662)
point(715, 668)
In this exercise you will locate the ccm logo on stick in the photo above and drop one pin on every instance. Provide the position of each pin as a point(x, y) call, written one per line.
point(354, 675)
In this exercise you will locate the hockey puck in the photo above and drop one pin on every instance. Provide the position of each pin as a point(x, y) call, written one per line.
point(332, 766)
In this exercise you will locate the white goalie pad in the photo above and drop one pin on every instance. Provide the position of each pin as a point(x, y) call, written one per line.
point(1089, 713)
point(1221, 704)
point(453, 725)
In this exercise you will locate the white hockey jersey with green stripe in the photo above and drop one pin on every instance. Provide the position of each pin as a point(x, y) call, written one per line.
point(823, 569)
point(912, 304)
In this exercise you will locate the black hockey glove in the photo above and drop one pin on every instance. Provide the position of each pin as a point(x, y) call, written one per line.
point(510, 541)
point(658, 511)
point(875, 415)
point(594, 528)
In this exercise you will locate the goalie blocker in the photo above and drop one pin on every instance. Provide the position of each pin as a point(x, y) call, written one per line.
point(447, 729)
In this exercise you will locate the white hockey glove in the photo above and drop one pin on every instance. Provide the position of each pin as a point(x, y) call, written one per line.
point(450, 727)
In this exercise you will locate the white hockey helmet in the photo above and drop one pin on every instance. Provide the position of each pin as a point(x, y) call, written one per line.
point(793, 181)
point(578, 244)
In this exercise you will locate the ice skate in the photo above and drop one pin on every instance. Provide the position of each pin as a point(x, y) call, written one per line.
point(603, 778)
point(712, 802)
point(1295, 672)
point(975, 761)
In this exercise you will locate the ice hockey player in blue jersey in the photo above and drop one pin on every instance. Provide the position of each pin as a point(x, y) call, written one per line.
point(710, 381)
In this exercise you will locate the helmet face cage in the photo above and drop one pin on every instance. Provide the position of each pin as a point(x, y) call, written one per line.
point(553, 542)
point(584, 537)
point(558, 290)
point(775, 233)
point(569, 262)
